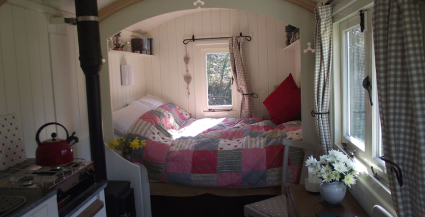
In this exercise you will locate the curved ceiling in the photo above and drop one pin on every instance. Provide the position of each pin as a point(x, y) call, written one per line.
point(109, 7)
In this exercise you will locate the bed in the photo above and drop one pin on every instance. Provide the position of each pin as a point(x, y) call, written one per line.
point(222, 156)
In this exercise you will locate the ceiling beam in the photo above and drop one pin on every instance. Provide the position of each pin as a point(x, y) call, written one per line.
point(114, 7)
point(121, 4)
point(2, 2)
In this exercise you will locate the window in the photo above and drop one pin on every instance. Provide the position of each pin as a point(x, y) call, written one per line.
point(216, 94)
point(219, 79)
point(360, 125)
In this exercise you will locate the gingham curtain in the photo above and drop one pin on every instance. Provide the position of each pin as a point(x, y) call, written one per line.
point(241, 75)
point(323, 42)
point(400, 65)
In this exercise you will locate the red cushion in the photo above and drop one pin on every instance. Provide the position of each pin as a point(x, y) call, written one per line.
point(284, 104)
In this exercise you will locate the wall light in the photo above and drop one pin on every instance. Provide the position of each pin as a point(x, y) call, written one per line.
point(127, 75)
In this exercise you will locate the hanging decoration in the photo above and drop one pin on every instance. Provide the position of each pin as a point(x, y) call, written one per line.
point(309, 48)
point(187, 76)
point(198, 1)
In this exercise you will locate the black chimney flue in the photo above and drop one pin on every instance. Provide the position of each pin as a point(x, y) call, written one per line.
point(91, 63)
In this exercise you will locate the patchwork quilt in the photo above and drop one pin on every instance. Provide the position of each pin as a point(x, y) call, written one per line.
point(214, 152)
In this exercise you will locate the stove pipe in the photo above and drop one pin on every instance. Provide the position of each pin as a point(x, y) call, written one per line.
point(91, 64)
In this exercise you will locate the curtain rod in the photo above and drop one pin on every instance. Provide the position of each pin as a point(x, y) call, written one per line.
point(188, 40)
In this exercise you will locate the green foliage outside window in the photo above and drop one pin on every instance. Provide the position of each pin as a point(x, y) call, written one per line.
point(219, 76)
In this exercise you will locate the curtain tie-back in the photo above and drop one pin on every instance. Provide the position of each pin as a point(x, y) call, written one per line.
point(254, 95)
point(313, 114)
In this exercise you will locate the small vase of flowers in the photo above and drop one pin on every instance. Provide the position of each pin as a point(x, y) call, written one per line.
point(125, 148)
point(336, 171)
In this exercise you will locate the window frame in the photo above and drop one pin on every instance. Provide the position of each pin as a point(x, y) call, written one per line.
point(201, 85)
point(368, 156)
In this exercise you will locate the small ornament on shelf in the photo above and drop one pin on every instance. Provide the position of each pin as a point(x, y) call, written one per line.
point(118, 42)
point(292, 34)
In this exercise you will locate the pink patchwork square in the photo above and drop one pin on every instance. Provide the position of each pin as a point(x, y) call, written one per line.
point(289, 129)
point(180, 161)
point(155, 152)
point(165, 107)
point(274, 156)
point(204, 162)
point(229, 179)
point(179, 114)
point(231, 134)
point(259, 128)
point(253, 159)
point(151, 118)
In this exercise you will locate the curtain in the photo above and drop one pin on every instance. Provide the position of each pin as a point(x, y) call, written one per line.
point(400, 65)
point(241, 76)
point(323, 42)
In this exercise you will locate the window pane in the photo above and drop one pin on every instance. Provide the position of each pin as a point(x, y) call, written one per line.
point(219, 76)
point(356, 74)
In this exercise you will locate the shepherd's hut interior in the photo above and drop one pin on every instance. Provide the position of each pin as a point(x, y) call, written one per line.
point(212, 108)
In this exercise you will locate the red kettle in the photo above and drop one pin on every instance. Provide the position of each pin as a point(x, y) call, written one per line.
point(54, 151)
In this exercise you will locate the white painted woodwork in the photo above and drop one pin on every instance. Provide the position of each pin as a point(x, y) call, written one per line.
point(124, 94)
point(48, 208)
point(41, 80)
point(292, 54)
point(267, 64)
point(136, 174)
point(101, 213)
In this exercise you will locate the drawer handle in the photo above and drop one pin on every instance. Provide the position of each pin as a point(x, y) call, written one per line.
point(93, 209)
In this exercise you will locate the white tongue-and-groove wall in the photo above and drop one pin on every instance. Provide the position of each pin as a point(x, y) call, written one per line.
point(268, 64)
point(40, 77)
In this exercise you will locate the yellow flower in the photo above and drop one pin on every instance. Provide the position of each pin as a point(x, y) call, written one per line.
point(134, 144)
point(121, 140)
point(142, 143)
point(113, 143)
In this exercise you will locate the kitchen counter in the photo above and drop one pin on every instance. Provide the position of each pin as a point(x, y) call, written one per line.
point(34, 197)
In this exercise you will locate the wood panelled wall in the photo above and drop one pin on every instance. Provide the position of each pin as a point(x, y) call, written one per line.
point(122, 95)
point(40, 77)
point(268, 65)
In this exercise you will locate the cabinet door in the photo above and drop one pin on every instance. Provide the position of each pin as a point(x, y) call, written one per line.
point(49, 208)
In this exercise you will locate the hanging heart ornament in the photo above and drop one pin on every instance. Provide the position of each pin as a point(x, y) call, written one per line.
point(188, 78)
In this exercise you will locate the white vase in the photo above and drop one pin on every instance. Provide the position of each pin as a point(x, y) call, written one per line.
point(333, 192)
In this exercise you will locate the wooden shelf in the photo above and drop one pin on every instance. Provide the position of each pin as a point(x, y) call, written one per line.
point(129, 53)
point(292, 46)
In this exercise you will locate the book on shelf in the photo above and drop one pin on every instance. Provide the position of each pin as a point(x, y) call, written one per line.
point(142, 45)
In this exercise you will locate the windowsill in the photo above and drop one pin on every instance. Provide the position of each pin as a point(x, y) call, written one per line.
point(216, 114)
point(365, 169)
point(368, 191)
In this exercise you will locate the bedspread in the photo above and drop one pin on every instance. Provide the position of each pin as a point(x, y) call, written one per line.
point(220, 152)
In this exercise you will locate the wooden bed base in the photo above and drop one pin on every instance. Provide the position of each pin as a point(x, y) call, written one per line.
point(165, 189)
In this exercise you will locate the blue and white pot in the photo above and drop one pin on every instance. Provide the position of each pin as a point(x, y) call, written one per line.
point(333, 192)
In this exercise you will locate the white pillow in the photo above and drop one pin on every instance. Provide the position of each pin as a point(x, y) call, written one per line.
point(124, 118)
point(151, 101)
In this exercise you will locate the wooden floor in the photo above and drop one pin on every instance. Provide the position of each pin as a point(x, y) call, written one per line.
point(204, 205)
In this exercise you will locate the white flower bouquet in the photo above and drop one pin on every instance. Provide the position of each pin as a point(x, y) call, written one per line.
point(334, 167)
